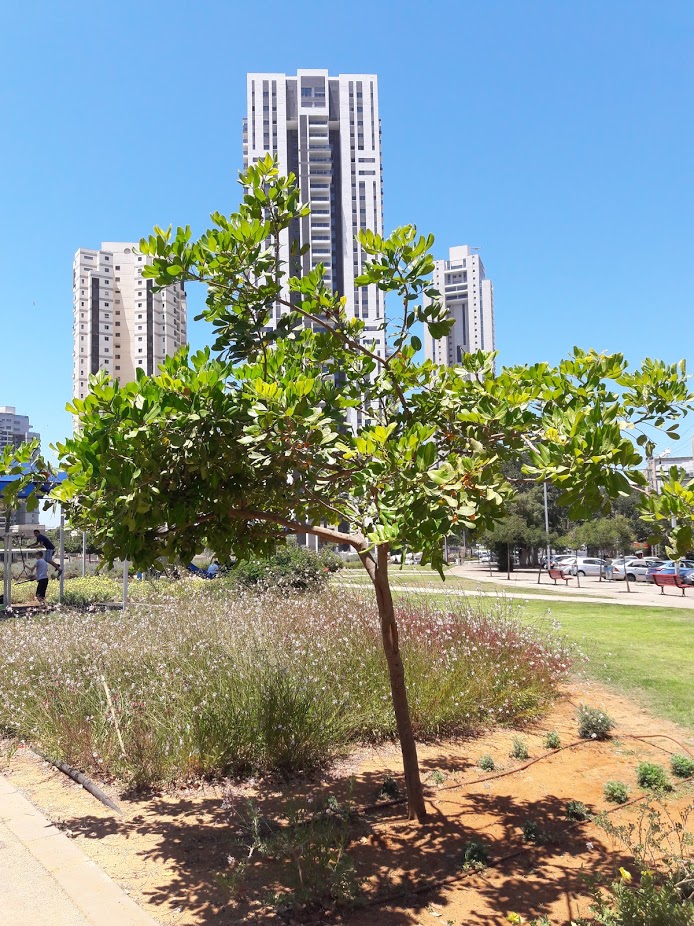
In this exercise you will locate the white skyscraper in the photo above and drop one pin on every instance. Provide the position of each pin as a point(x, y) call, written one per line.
point(14, 431)
point(120, 323)
point(326, 131)
point(469, 300)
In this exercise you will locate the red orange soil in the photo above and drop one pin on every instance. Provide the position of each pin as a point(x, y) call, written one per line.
point(170, 851)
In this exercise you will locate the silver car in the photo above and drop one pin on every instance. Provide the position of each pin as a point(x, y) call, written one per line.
point(587, 566)
point(635, 569)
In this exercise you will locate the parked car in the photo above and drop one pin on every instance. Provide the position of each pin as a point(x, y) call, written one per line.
point(635, 569)
point(587, 566)
point(686, 570)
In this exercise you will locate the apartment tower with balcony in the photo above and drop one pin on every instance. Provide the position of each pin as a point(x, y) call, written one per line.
point(120, 323)
point(326, 131)
point(469, 300)
point(16, 430)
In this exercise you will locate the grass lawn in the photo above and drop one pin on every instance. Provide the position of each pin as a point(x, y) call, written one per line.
point(646, 652)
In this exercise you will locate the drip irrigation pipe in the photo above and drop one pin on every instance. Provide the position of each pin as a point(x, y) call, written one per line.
point(81, 779)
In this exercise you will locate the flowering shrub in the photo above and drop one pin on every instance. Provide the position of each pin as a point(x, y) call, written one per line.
point(291, 566)
point(210, 682)
point(593, 723)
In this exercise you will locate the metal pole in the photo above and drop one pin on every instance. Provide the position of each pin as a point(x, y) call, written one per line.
point(84, 553)
point(549, 555)
point(125, 584)
point(7, 564)
point(62, 556)
point(445, 549)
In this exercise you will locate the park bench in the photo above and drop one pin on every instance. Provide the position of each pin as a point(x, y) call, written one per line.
point(663, 579)
point(556, 573)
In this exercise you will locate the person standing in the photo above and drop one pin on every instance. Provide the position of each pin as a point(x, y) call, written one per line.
point(609, 569)
point(47, 544)
point(41, 574)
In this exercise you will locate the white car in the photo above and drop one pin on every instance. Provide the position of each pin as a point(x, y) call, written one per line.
point(635, 569)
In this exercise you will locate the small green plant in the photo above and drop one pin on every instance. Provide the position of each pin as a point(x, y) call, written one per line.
point(653, 777)
point(616, 792)
point(531, 831)
point(594, 723)
point(486, 763)
point(474, 856)
point(437, 777)
point(389, 789)
point(552, 740)
point(577, 810)
point(682, 766)
point(519, 750)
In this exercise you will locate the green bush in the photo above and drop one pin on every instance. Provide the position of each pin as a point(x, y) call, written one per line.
point(594, 723)
point(652, 776)
point(474, 856)
point(486, 763)
point(291, 567)
point(616, 792)
point(577, 810)
point(552, 740)
point(519, 750)
point(682, 766)
point(650, 902)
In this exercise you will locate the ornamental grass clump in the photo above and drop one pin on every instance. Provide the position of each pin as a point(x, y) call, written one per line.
point(209, 681)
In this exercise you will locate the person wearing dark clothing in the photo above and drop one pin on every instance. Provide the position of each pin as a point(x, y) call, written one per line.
point(47, 544)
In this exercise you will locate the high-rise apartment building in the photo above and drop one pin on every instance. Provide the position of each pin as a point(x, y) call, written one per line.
point(120, 323)
point(326, 131)
point(469, 300)
point(14, 431)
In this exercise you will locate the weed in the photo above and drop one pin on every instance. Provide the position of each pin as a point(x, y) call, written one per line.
point(437, 777)
point(532, 831)
point(519, 750)
point(310, 852)
point(661, 840)
point(486, 763)
point(474, 856)
point(552, 740)
point(577, 810)
point(652, 776)
point(594, 723)
point(682, 766)
point(650, 902)
point(389, 789)
point(616, 792)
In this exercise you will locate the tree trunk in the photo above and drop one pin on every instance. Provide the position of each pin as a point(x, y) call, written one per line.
point(378, 572)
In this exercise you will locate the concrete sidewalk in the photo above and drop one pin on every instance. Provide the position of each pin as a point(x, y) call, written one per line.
point(47, 879)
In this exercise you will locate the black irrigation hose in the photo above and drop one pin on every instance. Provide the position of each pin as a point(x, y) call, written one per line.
point(81, 779)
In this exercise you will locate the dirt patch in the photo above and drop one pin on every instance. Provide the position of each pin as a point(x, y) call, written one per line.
point(171, 851)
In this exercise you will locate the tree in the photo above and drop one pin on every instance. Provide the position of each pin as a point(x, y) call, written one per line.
point(305, 427)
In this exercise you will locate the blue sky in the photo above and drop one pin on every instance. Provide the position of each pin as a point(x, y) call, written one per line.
point(556, 136)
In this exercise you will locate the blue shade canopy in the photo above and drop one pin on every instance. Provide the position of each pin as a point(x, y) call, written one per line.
point(44, 487)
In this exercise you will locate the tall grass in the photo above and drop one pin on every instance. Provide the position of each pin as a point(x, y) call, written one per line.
point(213, 681)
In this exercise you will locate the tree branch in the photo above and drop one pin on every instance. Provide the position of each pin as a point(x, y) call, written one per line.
point(358, 541)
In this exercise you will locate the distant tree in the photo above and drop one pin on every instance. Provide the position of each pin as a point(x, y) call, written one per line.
point(300, 428)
